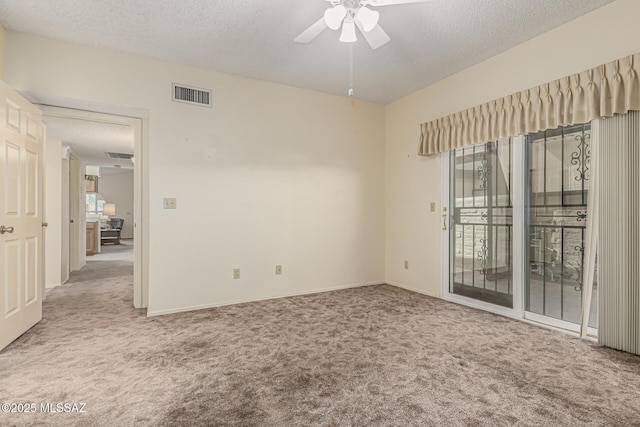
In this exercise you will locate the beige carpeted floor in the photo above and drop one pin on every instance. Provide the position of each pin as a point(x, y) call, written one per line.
point(372, 356)
point(110, 252)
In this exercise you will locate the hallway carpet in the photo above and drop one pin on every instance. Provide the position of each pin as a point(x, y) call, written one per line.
point(371, 356)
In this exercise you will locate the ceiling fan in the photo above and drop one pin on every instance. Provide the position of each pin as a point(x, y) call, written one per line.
point(351, 14)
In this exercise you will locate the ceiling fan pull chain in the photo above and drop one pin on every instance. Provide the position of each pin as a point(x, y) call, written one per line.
point(351, 69)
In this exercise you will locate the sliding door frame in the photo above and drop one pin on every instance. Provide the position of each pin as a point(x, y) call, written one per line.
point(520, 246)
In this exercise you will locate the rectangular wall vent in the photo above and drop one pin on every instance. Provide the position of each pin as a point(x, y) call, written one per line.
point(124, 156)
point(191, 95)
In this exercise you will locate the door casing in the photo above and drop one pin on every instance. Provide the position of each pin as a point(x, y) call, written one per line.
point(140, 177)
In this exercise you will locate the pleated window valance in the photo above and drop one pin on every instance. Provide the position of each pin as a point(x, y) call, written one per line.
point(603, 91)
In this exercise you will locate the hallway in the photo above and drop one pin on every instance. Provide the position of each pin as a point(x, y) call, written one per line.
point(109, 252)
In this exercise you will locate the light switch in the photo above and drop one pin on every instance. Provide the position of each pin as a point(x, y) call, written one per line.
point(169, 203)
point(433, 206)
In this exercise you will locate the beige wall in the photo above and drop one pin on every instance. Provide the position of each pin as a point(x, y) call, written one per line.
point(270, 175)
point(413, 232)
point(2, 33)
point(117, 188)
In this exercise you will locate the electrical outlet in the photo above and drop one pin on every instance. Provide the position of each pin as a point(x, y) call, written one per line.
point(169, 203)
point(236, 273)
point(406, 264)
point(433, 206)
point(278, 269)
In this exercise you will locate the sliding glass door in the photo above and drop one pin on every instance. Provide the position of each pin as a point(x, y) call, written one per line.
point(558, 185)
point(517, 212)
point(481, 234)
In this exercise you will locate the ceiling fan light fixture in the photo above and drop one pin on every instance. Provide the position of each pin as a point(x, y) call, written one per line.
point(368, 17)
point(348, 32)
point(334, 16)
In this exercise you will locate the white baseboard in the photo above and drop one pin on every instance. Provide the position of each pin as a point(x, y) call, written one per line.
point(409, 288)
point(151, 313)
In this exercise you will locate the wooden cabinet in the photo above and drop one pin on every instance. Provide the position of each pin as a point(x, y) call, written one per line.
point(91, 238)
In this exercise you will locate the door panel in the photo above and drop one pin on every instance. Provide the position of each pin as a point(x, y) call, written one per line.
point(12, 179)
point(32, 128)
point(481, 232)
point(558, 165)
point(31, 270)
point(13, 115)
point(12, 277)
point(21, 196)
point(31, 184)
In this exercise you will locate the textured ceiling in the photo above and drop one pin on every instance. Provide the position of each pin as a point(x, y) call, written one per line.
point(254, 38)
point(90, 140)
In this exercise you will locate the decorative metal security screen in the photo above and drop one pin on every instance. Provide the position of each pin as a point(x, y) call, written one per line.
point(481, 234)
point(558, 165)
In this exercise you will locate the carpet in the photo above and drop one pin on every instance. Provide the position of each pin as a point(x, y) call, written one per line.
point(370, 356)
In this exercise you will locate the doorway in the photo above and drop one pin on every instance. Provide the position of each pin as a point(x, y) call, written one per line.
point(137, 212)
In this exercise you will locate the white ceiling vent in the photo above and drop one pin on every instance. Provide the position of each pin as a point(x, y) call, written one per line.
point(124, 156)
point(191, 95)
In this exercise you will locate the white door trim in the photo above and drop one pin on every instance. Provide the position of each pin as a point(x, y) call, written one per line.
point(445, 161)
point(141, 189)
point(519, 177)
point(64, 216)
point(76, 237)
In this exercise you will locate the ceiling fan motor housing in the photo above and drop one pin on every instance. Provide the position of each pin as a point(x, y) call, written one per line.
point(350, 5)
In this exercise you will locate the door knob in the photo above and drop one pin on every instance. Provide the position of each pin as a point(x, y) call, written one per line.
point(45, 224)
point(4, 229)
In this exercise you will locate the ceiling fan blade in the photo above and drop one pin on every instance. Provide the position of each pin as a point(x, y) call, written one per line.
point(376, 37)
point(393, 2)
point(312, 32)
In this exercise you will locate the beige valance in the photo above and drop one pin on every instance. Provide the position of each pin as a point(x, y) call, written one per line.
point(603, 91)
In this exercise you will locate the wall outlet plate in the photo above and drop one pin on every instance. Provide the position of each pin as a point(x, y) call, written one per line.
point(236, 273)
point(169, 203)
point(278, 269)
point(433, 206)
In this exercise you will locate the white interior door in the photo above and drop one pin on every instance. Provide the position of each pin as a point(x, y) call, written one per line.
point(21, 216)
